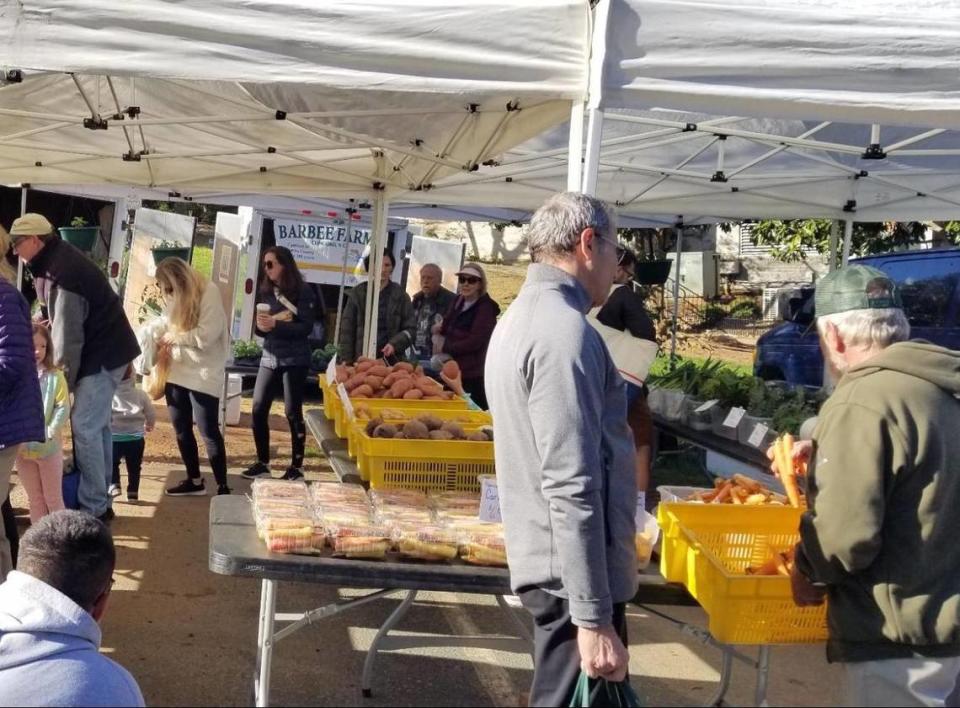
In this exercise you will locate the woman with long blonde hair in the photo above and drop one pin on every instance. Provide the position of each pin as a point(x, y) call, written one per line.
point(196, 343)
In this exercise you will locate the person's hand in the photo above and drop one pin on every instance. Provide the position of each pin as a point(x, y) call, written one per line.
point(802, 452)
point(283, 316)
point(388, 351)
point(266, 323)
point(164, 350)
point(602, 654)
point(805, 593)
point(435, 329)
point(167, 339)
point(149, 427)
point(454, 382)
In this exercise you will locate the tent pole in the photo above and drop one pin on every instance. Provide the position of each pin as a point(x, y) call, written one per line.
point(378, 240)
point(834, 243)
point(847, 241)
point(676, 293)
point(591, 166)
point(23, 210)
point(343, 274)
point(575, 151)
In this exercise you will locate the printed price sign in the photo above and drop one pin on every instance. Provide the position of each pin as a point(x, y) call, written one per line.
point(758, 435)
point(489, 500)
point(345, 399)
point(734, 417)
point(706, 406)
point(332, 370)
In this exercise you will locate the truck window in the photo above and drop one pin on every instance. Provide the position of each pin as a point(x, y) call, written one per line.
point(927, 288)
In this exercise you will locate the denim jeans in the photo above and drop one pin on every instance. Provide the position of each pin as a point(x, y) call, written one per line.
point(92, 440)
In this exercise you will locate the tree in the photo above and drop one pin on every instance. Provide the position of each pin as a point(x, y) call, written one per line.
point(791, 240)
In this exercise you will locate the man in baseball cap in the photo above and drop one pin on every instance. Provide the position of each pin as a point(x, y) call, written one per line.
point(92, 341)
point(883, 492)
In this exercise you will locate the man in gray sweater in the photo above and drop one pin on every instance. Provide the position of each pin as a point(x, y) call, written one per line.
point(564, 454)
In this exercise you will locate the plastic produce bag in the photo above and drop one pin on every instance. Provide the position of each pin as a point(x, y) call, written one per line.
point(648, 533)
point(603, 693)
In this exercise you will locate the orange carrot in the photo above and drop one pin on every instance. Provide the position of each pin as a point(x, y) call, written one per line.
point(787, 474)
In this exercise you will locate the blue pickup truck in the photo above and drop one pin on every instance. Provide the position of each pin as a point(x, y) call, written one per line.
point(929, 283)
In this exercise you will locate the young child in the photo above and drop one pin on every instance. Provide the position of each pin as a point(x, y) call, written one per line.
point(133, 415)
point(40, 465)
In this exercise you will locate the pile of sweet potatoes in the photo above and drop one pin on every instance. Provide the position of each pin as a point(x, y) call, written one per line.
point(424, 427)
point(371, 378)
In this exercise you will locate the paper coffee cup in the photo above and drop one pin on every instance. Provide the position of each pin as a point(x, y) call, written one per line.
point(263, 309)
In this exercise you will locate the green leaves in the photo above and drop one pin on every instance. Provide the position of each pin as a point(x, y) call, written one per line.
point(791, 240)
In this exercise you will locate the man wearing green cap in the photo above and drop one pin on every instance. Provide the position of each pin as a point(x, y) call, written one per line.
point(881, 540)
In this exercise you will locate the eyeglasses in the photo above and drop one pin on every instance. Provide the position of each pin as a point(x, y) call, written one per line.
point(17, 240)
point(269, 265)
point(468, 280)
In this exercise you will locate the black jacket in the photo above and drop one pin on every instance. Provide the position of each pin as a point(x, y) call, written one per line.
point(89, 327)
point(624, 310)
point(287, 343)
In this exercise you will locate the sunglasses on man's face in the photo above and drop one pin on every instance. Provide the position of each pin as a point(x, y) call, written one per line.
point(468, 280)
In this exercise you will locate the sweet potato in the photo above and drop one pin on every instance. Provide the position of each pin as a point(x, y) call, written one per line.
point(378, 370)
point(431, 421)
point(477, 436)
point(354, 381)
point(451, 369)
point(391, 378)
point(404, 366)
point(374, 382)
point(385, 431)
point(362, 391)
point(400, 388)
point(433, 397)
point(414, 394)
point(365, 366)
point(415, 430)
point(454, 429)
point(343, 373)
point(373, 424)
point(440, 435)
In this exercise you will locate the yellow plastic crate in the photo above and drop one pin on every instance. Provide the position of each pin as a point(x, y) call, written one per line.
point(330, 399)
point(471, 420)
point(441, 465)
point(342, 420)
point(708, 548)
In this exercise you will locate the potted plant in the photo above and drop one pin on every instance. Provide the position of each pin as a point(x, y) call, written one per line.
point(79, 234)
point(169, 249)
point(320, 358)
point(732, 391)
point(764, 399)
point(247, 352)
point(151, 303)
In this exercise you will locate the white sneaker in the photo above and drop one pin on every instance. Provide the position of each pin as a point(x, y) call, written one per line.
point(114, 490)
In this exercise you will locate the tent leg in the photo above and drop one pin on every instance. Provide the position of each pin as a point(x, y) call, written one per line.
point(676, 294)
point(834, 244)
point(23, 210)
point(591, 166)
point(847, 241)
point(343, 277)
point(378, 243)
point(575, 150)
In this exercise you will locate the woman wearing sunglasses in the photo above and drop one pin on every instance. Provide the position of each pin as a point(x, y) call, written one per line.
point(196, 342)
point(467, 327)
point(285, 316)
point(396, 322)
point(625, 311)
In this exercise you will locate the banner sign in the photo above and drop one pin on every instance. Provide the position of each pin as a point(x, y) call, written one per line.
point(319, 248)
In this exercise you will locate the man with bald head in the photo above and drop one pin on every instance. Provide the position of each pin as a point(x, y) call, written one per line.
point(430, 303)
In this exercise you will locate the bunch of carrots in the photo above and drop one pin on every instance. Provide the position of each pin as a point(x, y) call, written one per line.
point(776, 564)
point(788, 469)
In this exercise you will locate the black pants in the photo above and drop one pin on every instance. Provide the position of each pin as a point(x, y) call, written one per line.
point(477, 391)
point(10, 528)
point(556, 657)
point(292, 379)
point(184, 405)
point(132, 452)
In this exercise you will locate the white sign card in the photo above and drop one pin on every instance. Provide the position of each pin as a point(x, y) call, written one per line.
point(489, 500)
point(707, 405)
point(734, 417)
point(759, 433)
point(332, 370)
point(345, 399)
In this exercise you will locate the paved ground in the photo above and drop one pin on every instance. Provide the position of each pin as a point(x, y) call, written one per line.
point(188, 635)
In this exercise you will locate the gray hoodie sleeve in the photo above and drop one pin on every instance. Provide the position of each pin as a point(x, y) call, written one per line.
point(70, 312)
point(566, 410)
point(149, 412)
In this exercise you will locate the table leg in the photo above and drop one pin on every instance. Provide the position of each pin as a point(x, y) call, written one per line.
point(763, 676)
point(726, 672)
point(392, 621)
point(268, 609)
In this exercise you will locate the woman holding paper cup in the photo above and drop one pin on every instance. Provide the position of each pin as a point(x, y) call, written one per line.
point(624, 311)
point(285, 316)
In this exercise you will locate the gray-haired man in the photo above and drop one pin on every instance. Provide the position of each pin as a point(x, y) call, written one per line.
point(880, 538)
point(49, 610)
point(565, 455)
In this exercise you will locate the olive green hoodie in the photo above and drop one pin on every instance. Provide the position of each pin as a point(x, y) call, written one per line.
point(883, 530)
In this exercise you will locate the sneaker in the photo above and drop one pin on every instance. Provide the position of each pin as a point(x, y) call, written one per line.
point(223, 489)
point(114, 491)
point(133, 496)
point(293, 473)
point(257, 469)
point(188, 488)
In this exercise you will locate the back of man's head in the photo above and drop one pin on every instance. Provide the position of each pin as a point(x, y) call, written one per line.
point(556, 226)
point(72, 552)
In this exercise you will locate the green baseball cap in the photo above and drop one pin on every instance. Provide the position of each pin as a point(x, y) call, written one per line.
point(855, 287)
